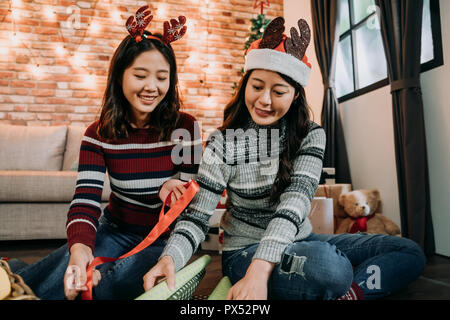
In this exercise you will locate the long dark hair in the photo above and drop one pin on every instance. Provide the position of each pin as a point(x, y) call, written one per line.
point(114, 118)
point(297, 121)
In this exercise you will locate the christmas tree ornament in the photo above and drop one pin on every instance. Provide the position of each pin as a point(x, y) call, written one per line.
point(261, 4)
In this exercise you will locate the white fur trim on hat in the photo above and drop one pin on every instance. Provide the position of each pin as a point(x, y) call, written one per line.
point(269, 59)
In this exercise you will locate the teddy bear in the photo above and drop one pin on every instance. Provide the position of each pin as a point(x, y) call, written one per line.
point(360, 207)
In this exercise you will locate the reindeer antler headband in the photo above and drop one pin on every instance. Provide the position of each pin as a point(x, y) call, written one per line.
point(136, 25)
point(277, 52)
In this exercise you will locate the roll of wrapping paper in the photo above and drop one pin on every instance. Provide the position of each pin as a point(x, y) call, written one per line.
point(165, 220)
point(183, 276)
point(221, 291)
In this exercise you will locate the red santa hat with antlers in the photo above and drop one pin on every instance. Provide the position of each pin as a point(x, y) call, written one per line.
point(173, 30)
point(279, 53)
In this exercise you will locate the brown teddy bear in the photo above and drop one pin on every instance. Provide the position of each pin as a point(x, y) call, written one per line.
point(360, 207)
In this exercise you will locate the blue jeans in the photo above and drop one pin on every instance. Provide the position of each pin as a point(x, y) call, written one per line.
point(324, 266)
point(121, 279)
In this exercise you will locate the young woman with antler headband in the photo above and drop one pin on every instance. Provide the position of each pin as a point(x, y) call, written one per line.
point(132, 141)
point(269, 250)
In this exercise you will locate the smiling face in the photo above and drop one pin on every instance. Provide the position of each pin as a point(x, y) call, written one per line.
point(268, 97)
point(145, 84)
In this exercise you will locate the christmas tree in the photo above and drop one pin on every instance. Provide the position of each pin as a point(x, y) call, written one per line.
point(257, 28)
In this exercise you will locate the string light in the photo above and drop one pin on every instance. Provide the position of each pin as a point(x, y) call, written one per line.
point(60, 51)
point(4, 50)
point(15, 39)
point(210, 101)
point(115, 14)
point(78, 60)
point(191, 26)
point(212, 68)
point(193, 58)
point(49, 13)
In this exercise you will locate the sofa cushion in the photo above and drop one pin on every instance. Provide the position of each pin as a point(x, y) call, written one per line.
point(72, 151)
point(30, 221)
point(32, 147)
point(41, 186)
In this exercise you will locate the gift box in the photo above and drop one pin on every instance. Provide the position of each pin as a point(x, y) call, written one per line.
point(321, 215)
point(334, 191)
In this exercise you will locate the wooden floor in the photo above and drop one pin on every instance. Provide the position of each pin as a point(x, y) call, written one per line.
point(433, 284)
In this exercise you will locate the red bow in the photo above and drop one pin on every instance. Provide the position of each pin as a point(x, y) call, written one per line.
point(360, 224)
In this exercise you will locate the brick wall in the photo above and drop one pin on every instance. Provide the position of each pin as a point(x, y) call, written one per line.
point(52, 74)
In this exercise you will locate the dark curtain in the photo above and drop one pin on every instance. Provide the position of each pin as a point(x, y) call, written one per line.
point(401, 28)
point(324, 17)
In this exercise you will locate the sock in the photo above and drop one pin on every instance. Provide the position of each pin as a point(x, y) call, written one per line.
point(354, 293)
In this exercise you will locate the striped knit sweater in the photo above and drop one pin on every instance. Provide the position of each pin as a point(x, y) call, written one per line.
point(137, 166)
point(234, 165)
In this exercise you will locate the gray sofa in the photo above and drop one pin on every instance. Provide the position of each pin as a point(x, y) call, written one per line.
point(37, 180)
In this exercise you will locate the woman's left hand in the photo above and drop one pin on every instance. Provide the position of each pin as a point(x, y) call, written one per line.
point(175, 185)
point(254, 284)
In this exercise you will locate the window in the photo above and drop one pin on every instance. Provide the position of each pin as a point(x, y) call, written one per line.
point(361, 62)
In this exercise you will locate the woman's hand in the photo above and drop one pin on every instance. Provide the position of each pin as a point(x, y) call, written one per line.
point(178, 188)
point(75, 276)
point(253, 286)
point(164, 268)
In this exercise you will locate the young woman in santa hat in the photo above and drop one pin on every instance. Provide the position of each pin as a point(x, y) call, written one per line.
point(268, 156)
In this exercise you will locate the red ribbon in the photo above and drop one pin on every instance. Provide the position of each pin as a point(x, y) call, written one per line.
point(360, 224)
point(165, 220)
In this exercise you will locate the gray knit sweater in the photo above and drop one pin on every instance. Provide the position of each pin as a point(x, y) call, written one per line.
point(246, 166)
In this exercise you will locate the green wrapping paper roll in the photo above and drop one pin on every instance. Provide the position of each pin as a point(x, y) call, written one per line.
point(188, 277)
point(221, 291)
